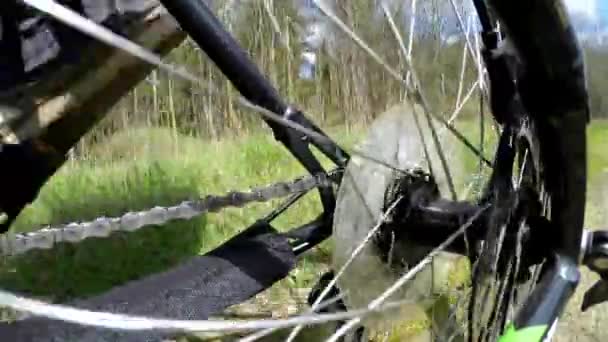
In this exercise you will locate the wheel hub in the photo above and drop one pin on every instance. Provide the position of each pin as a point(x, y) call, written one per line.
point(362, 200)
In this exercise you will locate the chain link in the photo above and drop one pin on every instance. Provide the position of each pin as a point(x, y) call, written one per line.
point(46, 238)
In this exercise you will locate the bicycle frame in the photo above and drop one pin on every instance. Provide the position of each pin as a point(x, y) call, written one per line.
point(556, 68)
point(207, 31)
point(537, 319)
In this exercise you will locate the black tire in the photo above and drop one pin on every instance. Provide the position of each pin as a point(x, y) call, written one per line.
point(549, 59)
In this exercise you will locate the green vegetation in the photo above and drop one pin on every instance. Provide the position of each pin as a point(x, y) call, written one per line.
point(169, 140)
point(597, 141)
point(349, 87)
point(84, 192)
point(138, 169)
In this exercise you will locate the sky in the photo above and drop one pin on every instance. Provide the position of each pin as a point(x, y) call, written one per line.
point(595, 10)
point(584, 6)
point(602, 10)
point(589, 17)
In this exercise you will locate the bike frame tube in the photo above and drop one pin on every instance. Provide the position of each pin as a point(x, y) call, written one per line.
point(537, 320)
point(201, 24)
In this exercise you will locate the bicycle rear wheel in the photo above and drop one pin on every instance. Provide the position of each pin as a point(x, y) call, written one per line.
point(541, 153)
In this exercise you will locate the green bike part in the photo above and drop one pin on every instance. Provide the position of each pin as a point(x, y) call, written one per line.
point(527, 334)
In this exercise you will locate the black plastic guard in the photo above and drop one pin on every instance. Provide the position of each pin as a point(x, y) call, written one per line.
point(234, 272)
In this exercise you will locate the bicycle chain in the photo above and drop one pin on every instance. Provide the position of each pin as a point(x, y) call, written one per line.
point(46, 238)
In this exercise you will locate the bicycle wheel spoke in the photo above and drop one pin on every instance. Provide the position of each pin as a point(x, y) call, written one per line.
point(467, 97)
point(410, 73)
point(505, 287)
point(414, 91)
point(141, 323)
point(263, 333)
point(356, 180)
point(462, 101)
point(351, 258)
point(461, 331)
point(468, 44)
point(409, 275)
point(478, 60)
point(463, 68)
point(396, 75)
point(407, 54)
point(482, 87)
point(485, 279)
point(518, 254)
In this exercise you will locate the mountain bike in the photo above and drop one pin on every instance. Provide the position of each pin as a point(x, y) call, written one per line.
point(523, 234)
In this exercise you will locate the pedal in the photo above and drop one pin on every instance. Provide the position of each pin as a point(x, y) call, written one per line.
point(596, 259)
point(597, 294)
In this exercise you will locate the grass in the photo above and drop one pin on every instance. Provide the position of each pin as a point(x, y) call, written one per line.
point(137, 170)
point(84, 192)
point(597, 141)
point(142, 168)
